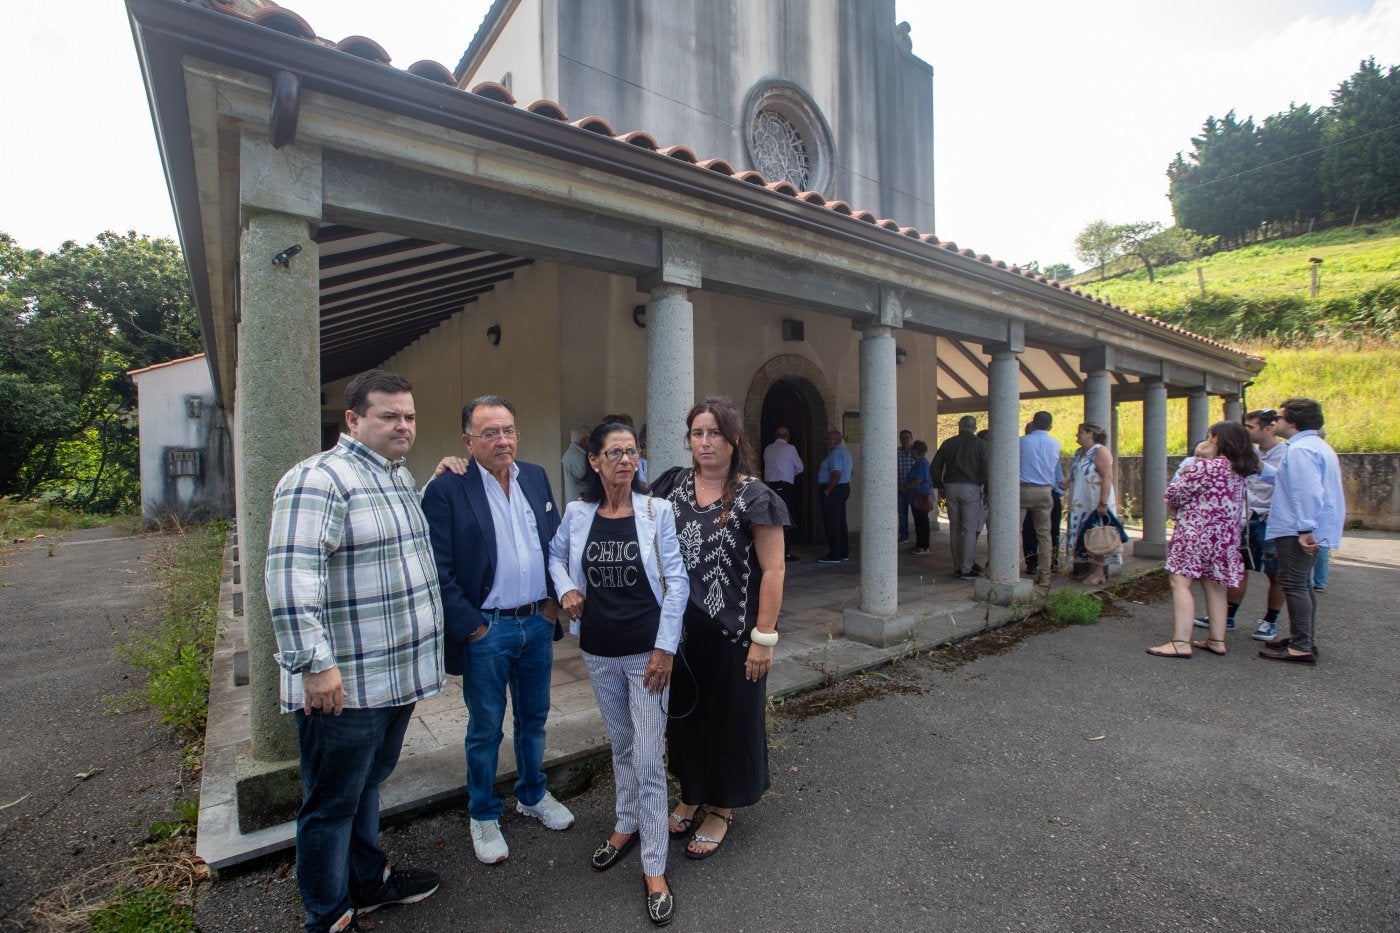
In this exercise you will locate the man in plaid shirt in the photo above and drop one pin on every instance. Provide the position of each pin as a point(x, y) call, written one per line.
point(358, 616)
point(904, 462)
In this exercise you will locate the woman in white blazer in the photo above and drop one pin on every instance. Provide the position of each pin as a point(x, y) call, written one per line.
point(616, 563)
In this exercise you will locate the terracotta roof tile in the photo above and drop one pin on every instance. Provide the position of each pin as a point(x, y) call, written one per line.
point(493, 91)
point(287, 21)
point(683, 153)
point(717, 165)
point(639, 139)
point(280, 19)
point(548, 108)
point(433, 71)
point(596, 124)
point(361, 47)
point(146, 369)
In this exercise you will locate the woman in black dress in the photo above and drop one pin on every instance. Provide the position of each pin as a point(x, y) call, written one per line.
point(731, 533)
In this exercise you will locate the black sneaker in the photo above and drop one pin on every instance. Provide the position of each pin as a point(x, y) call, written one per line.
point(405, 886)
point(972, 574)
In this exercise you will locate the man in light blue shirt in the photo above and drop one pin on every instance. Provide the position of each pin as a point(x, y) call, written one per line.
point(1306, 514)
point(834, 481)
point(1041, 471)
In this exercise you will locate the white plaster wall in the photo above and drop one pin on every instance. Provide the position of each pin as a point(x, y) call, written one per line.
point(454, 363)
point(519, 50)
point(570, 353)
point(163, 422)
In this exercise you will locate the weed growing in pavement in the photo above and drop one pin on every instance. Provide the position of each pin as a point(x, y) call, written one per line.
point(1067, 606)
point(176, 644)
point(155, 909)
point(24, 519)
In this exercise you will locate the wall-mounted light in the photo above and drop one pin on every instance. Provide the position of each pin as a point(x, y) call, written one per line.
point(493, 335)
point(900, 355)
point(639, 316)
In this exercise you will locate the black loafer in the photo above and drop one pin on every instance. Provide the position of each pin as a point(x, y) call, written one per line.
point(661, 905)
point(607, 855)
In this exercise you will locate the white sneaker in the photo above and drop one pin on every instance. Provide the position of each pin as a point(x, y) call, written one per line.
point(488, 842)
point(548, 811)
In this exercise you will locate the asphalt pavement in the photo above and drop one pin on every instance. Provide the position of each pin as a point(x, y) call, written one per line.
point(1038, 778)
point(80, 784)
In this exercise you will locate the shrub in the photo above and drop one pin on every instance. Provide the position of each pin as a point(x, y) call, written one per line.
point(1070, 607)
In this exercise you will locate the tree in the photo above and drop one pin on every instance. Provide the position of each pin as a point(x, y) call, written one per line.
point(1059, 270)
point(72, 323)
point(1361, 166)
point(1098, 244)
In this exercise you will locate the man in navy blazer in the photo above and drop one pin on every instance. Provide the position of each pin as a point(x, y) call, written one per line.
point(491, 526)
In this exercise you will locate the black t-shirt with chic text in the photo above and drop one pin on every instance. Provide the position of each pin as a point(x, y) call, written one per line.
point(620, 613)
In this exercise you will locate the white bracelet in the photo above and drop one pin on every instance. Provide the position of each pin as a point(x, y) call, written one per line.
point(764, 639)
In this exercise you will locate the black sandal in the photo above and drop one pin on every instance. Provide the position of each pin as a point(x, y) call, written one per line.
point(687, 823)
point(717, 843)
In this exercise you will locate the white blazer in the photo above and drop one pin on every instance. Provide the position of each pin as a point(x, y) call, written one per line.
point(653, 534)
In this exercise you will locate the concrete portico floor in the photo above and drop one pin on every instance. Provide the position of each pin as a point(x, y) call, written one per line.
point(431, 770)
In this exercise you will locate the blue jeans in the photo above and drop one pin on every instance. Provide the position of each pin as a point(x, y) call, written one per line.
point(517, 653)
point(1324, 556)
point(343, 761)
point(906, 504)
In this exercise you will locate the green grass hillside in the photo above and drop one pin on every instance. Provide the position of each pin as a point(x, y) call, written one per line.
point(1359, 390)
point(1342, 348)
point(1354, 261)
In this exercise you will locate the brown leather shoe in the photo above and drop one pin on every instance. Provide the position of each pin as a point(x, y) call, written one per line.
point(1282, 642)
point(1284, 654)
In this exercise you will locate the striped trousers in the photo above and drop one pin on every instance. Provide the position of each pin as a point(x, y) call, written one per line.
point(636, 722)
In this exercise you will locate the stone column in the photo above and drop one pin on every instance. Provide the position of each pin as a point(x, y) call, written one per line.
point(671, 350)
point(670, 375)
point(877, 621)
point(277, 418)
point(1154, 472)
point(1002, 582)
point(1233, 409)
point(1098, 399)
point(276, 423)
point(1197, 417)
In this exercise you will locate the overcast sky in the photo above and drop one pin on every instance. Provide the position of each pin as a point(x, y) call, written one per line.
point(1046, 115)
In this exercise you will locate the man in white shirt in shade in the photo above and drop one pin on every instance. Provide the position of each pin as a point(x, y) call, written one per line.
point(781, 464)
point(575, 462)
point(1307, 513)
point(1041, 471)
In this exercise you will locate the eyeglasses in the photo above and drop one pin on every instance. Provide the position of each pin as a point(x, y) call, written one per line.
point(491, 435)
point(617, 453)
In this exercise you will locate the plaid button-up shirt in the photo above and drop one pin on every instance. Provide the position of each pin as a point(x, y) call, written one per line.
point(904, 462)
point(351, 580)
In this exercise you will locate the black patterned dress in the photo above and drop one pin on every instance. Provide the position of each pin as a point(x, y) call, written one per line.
point(717, 744)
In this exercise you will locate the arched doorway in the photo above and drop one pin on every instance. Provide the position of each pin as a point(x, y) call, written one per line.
point(784, 407)
point(791, 391)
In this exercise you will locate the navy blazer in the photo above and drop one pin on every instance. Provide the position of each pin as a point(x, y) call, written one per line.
point(464, 545)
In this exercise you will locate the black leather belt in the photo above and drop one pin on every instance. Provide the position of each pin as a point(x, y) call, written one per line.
point(528, 609)
point(1037, 485)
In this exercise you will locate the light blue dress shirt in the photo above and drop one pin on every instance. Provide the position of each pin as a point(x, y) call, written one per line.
point(1308, 495)
point(838, 460)
point(1040, 459)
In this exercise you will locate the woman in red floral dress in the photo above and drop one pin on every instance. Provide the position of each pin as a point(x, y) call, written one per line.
point(1208, 501)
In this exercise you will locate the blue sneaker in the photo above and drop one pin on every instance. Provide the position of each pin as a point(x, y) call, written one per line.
point(1265, 630)
point(1204, 622)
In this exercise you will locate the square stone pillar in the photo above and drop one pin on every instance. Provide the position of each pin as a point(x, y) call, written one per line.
point(1197, 417)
